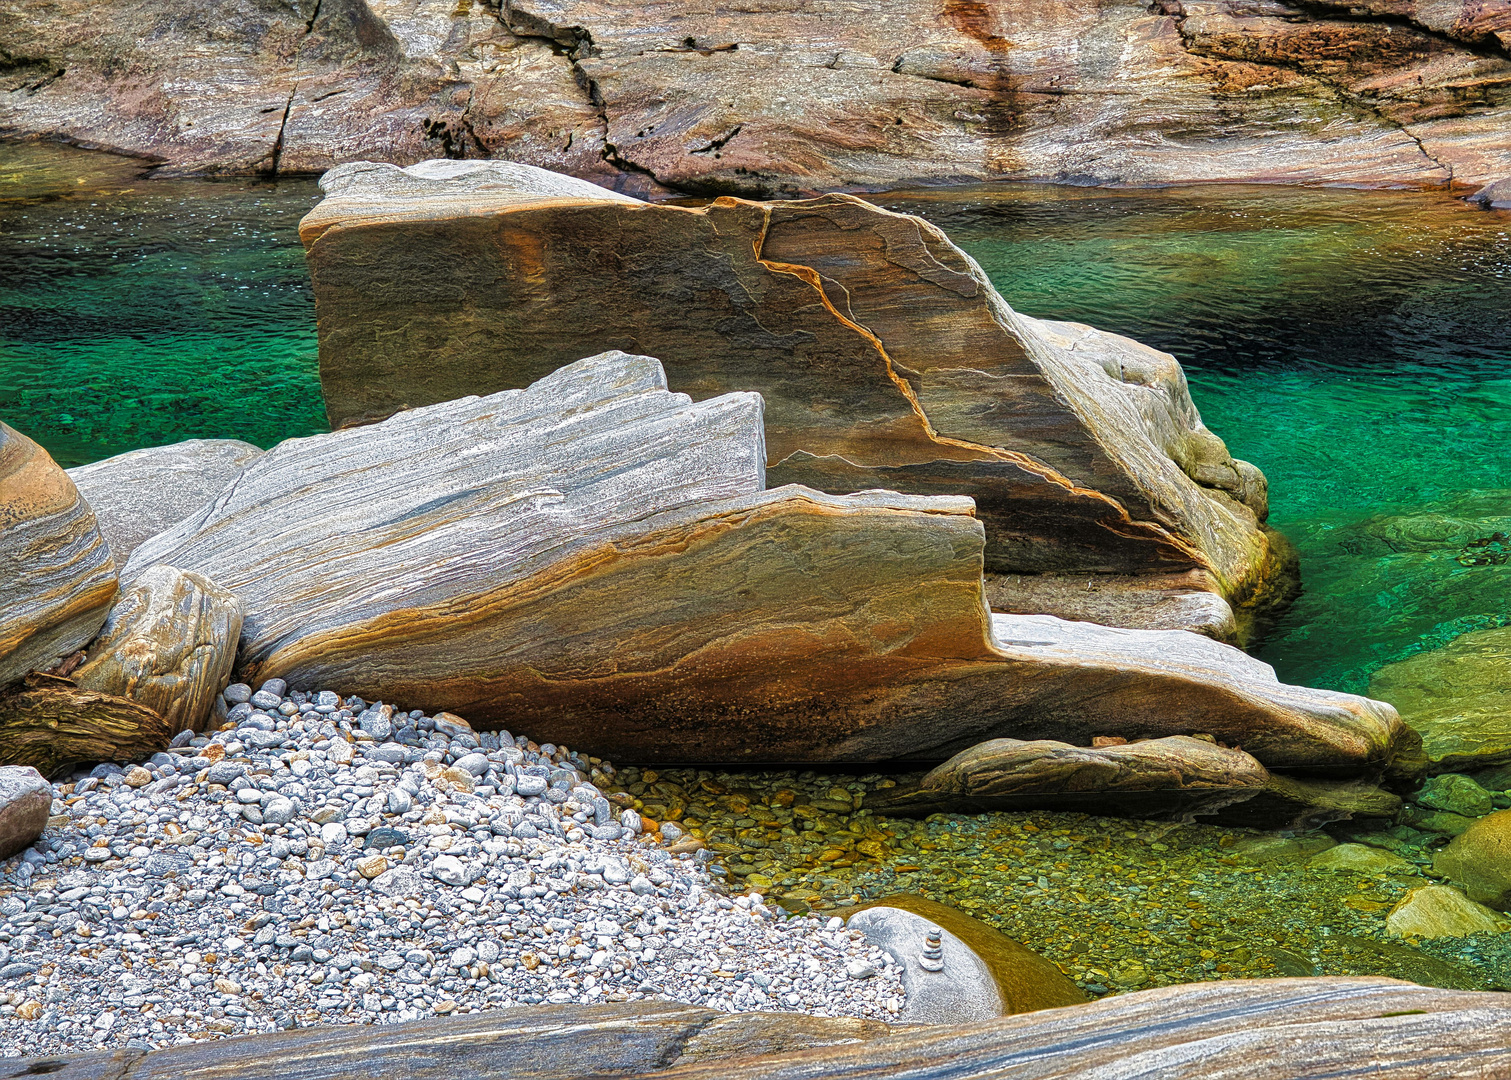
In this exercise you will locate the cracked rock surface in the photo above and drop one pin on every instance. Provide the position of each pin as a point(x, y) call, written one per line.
point(779, 97)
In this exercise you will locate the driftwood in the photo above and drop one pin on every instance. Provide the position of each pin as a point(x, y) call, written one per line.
point(53, 725)
point(1264, 1029)
point(597, 560)
point(885, 357)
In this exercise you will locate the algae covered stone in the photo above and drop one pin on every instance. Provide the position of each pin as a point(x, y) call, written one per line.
point(1479, 859)
point(1435, 911)
point(1458, 697)
point(1361, 859)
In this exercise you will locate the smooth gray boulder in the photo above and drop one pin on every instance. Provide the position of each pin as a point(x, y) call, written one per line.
point(142, 492)
point(25, 802)
point(1494, 196)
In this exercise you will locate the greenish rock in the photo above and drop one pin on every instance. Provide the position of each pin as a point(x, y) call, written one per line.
point(1480, 860)
point(1458, 697)
point(1494, 779)
point(1441, 822)
point(1455, 793)
point(1259, 850)
point(1292, 804)
point(1361, 859)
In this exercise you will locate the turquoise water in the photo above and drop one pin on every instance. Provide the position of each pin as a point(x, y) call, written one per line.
point(134, 313)
point(1354, 345)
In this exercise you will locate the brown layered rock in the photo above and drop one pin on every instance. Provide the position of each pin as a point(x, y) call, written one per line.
point(25, 803)
point(599, 559)
point(1175, 775)
point(169, 644)
point(141, 492)
point(781, 98)
point(57, 578)
point(885, 358)
point(52, 725)
point(1262, 1029)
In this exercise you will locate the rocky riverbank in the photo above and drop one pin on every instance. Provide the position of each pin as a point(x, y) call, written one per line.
point(322, 859)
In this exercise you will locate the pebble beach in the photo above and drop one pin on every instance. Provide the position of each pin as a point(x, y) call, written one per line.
point(322, 859)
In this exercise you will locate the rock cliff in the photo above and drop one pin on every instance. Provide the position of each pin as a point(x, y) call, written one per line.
point(780, 96)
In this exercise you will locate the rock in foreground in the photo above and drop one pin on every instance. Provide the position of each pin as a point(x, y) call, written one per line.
point(599, 558)
point(25, 803)
point(1277, 1029)
point(169, 644)
point(885, 357)
point(56, 575)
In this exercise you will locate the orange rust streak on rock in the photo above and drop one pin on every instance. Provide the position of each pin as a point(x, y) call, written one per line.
point(812, 278)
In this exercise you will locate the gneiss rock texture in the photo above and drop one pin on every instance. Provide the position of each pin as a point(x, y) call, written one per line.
point(885, 358)
point(141, 492)
point(57, 578)
point(781, 98)
point(51, 725)
point(600, 558)
point(169, 644)
point(1270, 1029)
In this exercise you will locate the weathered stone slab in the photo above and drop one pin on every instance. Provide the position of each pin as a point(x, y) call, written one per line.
point(598, 557)
point(1458, 697)
point(169, 644)
point(979, 973)
point(25, 802)
point(1175, 775)
point(53, 725)
point(1264, 1029)
point(56, 575)
point(884, 355)
point(141, 492)
point(1299, 804)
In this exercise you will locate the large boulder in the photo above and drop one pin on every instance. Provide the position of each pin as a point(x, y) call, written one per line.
point(885, 357)
point(779, 97)
point(141, 492)
point(1173, 775)
point(1435, 911)
point(598, 559)
point(169, 644)
point(1479, 859)
point(1242, 1029)
point(1458, 697)
point(57, 578)
point(25, 803)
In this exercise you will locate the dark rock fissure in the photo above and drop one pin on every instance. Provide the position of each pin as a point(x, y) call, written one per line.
point(288, 107)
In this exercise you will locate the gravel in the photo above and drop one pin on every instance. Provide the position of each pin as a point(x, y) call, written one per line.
point(322, 859)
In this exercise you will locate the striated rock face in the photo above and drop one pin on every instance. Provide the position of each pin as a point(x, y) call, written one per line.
point(1244, 1029)
point(782, 98)
point(1172, 775)
point(885, 358)
point(56, 575)
point(598, 558)
point(169, 644)
point(52, 725)
point(140, 493)
point(25, 803)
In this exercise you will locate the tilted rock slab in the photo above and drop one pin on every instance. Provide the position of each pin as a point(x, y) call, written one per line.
point(885, 357)
point(57, 578)
point(598, 558)
point(141, 492)
point(1177, 774)
point(1245, 1029)
point(25, 803)
point(169, 644)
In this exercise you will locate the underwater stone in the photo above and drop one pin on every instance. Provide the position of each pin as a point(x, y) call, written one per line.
point(1435, 911)
point(1455, 697)
point(1479, 859)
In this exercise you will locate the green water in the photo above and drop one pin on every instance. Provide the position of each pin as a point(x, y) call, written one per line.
point(135, 313)
point(1354, 345)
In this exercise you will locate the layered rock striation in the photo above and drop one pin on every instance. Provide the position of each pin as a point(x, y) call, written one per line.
point(885, 358)
point(780, 98)
point(601, 557)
